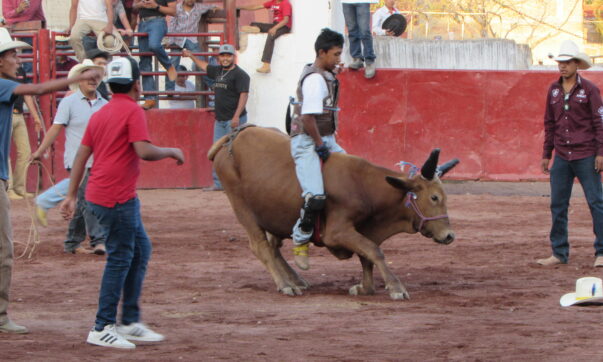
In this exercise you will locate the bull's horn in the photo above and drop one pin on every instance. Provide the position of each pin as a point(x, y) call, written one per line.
point(443, 169)
point(429, 168)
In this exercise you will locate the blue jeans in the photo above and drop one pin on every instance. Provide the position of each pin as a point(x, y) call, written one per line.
point(309, 172)
point(128, 253)
point(358, 20)
point(221, 129)
point(156, 28)
point(83, 222)
point(175, 60)
point(563, 174)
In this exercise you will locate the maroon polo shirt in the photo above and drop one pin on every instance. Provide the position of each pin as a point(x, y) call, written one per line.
point(576, 133)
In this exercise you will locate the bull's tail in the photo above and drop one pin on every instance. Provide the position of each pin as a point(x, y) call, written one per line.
point(225, 141)
point(213, 150)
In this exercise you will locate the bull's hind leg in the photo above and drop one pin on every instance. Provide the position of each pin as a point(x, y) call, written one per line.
point(292, 277)
point(366, 287)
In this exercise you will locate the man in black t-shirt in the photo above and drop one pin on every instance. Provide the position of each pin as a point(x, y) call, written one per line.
point(232, 90)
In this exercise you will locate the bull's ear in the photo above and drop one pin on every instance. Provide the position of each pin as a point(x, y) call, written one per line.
point(400, 183)
point(443, 169)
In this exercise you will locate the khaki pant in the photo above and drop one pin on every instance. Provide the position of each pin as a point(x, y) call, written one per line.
point(16, 180)
point(80, 29)
point(6, 251)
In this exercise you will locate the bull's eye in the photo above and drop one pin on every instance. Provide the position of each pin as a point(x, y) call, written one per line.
point(434, 197)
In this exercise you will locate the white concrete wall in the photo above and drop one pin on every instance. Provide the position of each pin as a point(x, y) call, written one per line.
point(269, 93)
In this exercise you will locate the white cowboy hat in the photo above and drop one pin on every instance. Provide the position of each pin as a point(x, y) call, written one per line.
point(569, 50)
point(79, 69)
point(7, 43)
point(588, 290)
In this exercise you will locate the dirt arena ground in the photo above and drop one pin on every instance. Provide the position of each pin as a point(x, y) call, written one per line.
point(481, 298)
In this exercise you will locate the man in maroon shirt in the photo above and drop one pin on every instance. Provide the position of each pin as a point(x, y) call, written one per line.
point(573, 127)
point(18, 11)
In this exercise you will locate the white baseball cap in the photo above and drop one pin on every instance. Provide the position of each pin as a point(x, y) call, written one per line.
point(122, 70)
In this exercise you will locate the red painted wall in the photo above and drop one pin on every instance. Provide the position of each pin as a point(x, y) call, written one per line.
point(491, 120)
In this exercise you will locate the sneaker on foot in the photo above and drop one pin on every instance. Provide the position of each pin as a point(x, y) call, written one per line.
point(250, 29)
point(41, 216)
point(139, 332)
point(79, 250)
point(265, 68)
point(13, 195)
point(551, 260)
point(356, 64)
point(598, 261)
point(109, 337)
point(12, 327)
point(300, 256)
point(99, 249)
point(148, 104)
point(369, 70)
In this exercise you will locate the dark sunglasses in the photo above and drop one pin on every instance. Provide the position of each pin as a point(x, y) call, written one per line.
point(566, 105)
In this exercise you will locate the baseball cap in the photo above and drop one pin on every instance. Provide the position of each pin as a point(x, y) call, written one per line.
point(122, 70)
point(227, 49)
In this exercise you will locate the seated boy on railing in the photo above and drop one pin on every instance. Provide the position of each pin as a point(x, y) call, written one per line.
point(281, 24)
point(188, 15)
point(87, 16)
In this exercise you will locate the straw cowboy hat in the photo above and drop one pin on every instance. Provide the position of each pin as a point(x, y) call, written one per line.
point(569, 50)
point(588, 290)
point(7, 43)
point(79, 69)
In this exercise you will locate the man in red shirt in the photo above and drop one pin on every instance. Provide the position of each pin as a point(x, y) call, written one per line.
point(18, 11)
point(281, 24)
point(117, 135)
point(573, 128)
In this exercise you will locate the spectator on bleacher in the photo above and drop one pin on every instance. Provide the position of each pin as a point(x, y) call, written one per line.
point(188, 15)
point(232, 91)
point(152, 21)
point(87, 16)
point(381, 14)
point(120, 19)
point(281, 24)
point(182, 85)
point(18, 11)
point(64, 64)
point(101, 58)
point(132, 15)
point(357, 14)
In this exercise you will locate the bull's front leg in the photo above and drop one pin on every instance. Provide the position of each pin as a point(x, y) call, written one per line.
point(366, 287)
point(343, 234)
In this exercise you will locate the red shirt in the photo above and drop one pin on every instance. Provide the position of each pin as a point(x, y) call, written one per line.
point(575, 133)
point(280, 10)
point(110, 134)
point(33, 12)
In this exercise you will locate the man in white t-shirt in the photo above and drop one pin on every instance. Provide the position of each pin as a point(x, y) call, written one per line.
point(87, 16)
point(381, 14)
point(182, 85)
point(357, 15)
point(313, 135)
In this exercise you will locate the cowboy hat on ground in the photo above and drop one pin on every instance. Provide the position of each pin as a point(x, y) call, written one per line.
point(79, 69)
point(588, 290)
point(569, 50)
point(7, 43)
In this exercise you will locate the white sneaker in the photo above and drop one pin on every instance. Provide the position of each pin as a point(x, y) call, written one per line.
point(139, 332)
point(108, 337)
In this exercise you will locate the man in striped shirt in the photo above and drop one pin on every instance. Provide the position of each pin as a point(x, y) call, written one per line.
point(188, 15)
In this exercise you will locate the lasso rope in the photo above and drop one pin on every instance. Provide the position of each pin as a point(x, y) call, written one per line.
point(117, 44)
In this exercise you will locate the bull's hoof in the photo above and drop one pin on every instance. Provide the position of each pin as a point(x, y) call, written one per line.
point(359, 290)
point(291, 291)
point(399, 295)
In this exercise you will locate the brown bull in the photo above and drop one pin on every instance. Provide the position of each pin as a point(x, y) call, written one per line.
point(366, 204)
